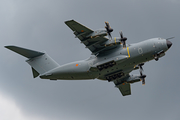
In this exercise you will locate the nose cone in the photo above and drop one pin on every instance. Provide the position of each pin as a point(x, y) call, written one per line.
point(169, 44)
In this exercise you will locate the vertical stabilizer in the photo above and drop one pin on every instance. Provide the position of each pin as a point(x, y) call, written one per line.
point(42, 63)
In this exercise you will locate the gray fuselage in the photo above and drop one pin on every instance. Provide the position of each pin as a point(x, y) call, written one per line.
point(126, 60)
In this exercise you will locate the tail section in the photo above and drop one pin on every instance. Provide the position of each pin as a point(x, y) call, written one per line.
point(40, 62)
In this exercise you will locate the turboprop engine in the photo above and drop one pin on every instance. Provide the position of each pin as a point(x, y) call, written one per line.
point(98, 33)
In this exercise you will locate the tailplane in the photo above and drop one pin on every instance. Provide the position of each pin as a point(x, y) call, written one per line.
point(39, 61)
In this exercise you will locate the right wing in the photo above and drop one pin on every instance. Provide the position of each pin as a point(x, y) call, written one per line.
point(124, 83)
point(124, 87)
point(94, 44)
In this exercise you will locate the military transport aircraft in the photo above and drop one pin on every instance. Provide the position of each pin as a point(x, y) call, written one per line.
point(111, 60)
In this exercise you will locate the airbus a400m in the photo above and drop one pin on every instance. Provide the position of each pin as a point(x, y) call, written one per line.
point(112, 59)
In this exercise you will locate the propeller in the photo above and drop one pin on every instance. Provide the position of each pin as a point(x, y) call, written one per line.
point(109, 29)
point(142, 77)
point(140, 65)
point(123, 39)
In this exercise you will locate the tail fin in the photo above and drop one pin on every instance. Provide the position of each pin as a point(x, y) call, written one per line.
point(39, 61)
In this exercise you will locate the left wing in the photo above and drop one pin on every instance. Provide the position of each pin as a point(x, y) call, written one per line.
point(93, 40)
point(79, 30)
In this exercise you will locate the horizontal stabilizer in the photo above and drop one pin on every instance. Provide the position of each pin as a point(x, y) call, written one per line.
point(25, 52)
point(40, 62)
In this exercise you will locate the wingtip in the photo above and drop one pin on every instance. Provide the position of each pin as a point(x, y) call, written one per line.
point(8, 46)
point(68, 20)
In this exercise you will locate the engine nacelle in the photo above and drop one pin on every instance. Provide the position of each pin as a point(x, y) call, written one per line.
point(97, 33)
point(113, 41)
point(131, 79)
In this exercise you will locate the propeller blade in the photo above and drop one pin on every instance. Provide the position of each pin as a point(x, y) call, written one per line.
point(124, 45)
point(109, 34)
point(107, 25)
point(140, 65)
point(123, 39)
point(143, 81)
point(142, 77)
point(109, 29)
point(122, 42)
point(141, 68)
point(121, 34)
point(140, 72)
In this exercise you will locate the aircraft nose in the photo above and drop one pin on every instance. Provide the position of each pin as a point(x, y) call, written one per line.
point(169, 44)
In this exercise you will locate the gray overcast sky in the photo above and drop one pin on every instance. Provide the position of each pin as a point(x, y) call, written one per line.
point(39, 25)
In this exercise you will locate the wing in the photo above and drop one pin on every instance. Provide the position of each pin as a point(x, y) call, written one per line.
point(79, 30)
point(94, 44)
point(124, 83)
point(124, 87)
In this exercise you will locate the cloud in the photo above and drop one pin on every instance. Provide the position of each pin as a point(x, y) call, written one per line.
point(9, 110)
